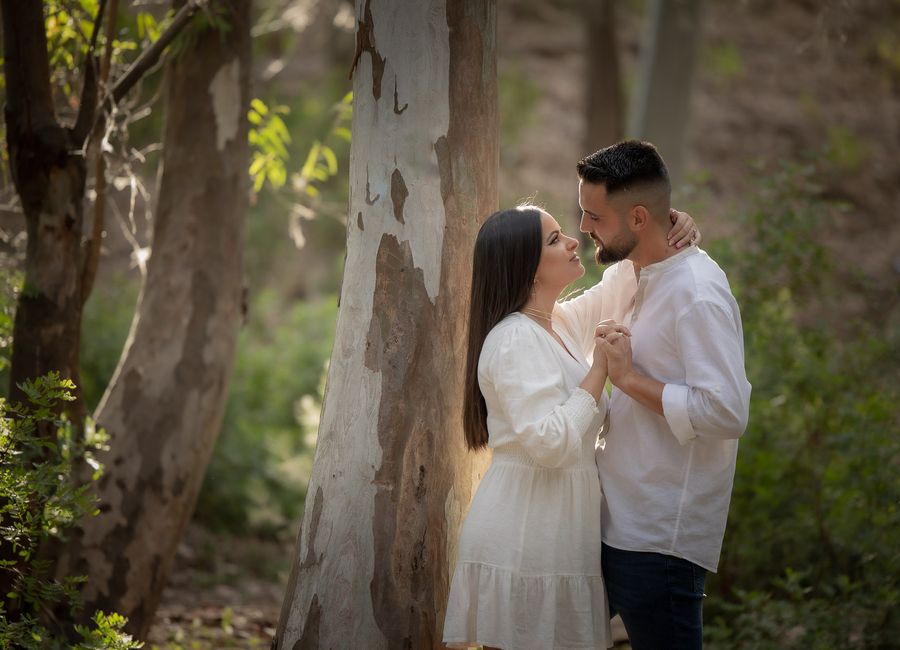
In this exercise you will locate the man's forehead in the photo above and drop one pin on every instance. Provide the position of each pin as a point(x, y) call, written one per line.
point(594, 191)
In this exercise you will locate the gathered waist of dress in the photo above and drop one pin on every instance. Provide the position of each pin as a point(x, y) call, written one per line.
point(516, 455)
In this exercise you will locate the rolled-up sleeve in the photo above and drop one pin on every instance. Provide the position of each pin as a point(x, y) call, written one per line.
point(523, 386)
point(714, 400)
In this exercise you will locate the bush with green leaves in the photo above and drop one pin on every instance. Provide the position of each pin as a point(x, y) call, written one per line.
point(39, 501)
point(812, 552)
point(256, 479)
point(41, 454)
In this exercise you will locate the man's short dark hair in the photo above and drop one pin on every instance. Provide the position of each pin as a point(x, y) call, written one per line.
point(624, 165)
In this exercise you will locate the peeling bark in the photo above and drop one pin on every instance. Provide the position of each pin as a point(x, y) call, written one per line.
point(164, 406)
point(398, 194)
point(374, 555)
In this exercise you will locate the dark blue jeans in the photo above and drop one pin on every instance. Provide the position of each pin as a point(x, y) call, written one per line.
point(659, 597)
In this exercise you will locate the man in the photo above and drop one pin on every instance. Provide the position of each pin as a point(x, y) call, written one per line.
point(679, 404)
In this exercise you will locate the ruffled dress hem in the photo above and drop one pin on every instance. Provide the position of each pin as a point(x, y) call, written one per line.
point(495, 606)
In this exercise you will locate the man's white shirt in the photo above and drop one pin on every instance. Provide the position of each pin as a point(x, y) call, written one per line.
point(667, 479)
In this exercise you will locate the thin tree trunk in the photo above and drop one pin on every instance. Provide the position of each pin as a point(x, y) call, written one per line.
point(165, 404)
point(662, 106)
point(392, 479)
point(49, 177)
point(49, 173)
point(605, 103)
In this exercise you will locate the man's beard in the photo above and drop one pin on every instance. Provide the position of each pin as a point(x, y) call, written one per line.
point(615, 251)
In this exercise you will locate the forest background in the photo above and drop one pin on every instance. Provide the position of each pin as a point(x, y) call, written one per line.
point(789, 167)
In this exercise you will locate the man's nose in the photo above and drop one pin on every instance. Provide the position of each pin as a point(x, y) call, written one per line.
point(582, 225)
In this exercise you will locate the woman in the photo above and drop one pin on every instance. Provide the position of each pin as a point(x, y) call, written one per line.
point(528, 566)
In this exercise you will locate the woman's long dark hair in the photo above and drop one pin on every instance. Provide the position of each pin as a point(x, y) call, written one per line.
point(507, 252)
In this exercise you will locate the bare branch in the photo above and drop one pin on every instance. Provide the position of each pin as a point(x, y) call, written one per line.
point(88, 103)
point(150, 56)
point(92, 245)
point(87, 107)
point(97, 20)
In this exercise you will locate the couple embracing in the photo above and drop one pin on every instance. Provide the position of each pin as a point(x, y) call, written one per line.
point(597, 504)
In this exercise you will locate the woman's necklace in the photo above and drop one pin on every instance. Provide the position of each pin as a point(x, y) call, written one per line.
point(537, 313)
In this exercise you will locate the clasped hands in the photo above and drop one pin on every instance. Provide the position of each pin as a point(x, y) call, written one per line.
point(612, 346)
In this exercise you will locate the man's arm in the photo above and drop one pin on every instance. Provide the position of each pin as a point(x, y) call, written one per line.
point(616, 344)
point(714, 401)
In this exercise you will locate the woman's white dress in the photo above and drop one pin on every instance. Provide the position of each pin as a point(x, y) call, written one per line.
point(528, 562)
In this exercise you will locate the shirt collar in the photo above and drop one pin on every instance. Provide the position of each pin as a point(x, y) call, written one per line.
point(661, 267)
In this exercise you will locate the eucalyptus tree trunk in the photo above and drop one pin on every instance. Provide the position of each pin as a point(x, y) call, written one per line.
point(164, 405)
point(391, 478)
point(662, 106)
point(604, 97)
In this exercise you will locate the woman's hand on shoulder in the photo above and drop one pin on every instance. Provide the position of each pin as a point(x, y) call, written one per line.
point(684, 231)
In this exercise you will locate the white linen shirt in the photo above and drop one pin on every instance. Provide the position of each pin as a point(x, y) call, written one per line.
point(667, 479)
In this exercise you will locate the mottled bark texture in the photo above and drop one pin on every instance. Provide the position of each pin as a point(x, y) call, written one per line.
point(392, 478)
point(164, 406)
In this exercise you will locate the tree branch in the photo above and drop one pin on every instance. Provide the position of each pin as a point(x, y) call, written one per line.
point(97, 20)
point(88, 102)
point(87, 107)
point(92, 245)
point(150, 56)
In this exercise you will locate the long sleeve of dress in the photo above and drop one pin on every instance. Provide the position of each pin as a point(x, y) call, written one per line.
point(528, 401)
point(581, 315)
point(609, 298)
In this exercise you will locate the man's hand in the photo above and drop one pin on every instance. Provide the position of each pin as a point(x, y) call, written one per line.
point(616, 346)
point(608, 326)
point(606, 331)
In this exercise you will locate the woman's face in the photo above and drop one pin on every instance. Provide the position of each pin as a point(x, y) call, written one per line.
point(559, 265)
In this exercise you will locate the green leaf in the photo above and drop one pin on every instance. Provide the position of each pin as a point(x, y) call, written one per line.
point(258, 182)
point(277, 176)
point(259, 162)
point(331, 159)
point(259, 106)
point(311, 159)
point(280, 130)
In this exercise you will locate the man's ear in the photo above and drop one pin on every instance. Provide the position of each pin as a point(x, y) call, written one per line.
point(639, 218)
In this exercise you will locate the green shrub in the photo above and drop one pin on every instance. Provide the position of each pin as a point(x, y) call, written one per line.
point(39, 501)
point(256, 480)
point(812, 552)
